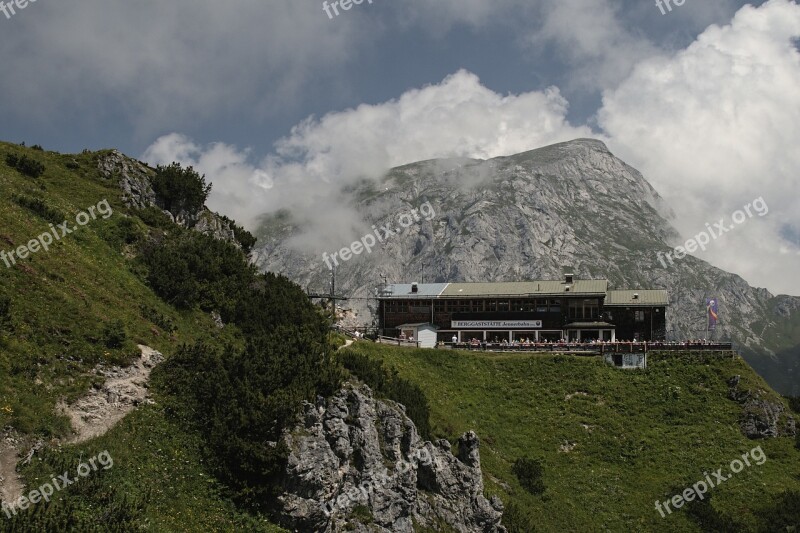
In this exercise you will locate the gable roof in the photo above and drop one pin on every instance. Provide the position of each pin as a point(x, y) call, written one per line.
point(646, 298)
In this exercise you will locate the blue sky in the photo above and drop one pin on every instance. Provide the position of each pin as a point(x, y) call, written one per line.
point(274, 101)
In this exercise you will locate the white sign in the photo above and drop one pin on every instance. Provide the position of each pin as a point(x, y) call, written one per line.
point(495, 324)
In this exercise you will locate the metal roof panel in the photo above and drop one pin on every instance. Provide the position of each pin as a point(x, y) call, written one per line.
point(646, 297)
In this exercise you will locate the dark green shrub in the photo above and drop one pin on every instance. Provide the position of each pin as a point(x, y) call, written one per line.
point(240, 398)
point(529, 473)
point(242, 236)
point(37, 147)
point(25, 165)
point(782, 513)
point(121, 231)
point(794, 403)
point(189, 269)
point(362, 514)
point(159, 319)
point(5, 311)
point(180, 189)
point(39, 207)
point(114, 335)
point(705, 515)
point(155, 218)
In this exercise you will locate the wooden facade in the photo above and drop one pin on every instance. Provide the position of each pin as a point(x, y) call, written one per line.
point(546, 310)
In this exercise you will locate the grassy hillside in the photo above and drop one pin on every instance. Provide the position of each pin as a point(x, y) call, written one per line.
point(611, 441)
point(83, 302)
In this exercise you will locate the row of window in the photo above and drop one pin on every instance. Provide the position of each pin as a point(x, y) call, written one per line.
point(579, 309)
point(584, 309)
point(539, 305)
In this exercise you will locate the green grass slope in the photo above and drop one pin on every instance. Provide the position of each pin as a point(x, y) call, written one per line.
point(81, 303)
point(612, 442)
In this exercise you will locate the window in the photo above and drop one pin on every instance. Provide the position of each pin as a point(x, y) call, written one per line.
point(639, 315)
point(502, 305)
point(491, 305)
point(586, 309)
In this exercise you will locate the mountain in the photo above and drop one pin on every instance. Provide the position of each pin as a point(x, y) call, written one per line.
point(528, 216)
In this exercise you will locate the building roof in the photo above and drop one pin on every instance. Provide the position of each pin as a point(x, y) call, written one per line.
point(513, 289)
point(527, 288)
point(646, 298)
point(520, 289)
point(403, 290)
point(418, 325)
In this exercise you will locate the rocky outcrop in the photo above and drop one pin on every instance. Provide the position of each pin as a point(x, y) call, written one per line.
point(134, 179)
point(133, 176)
point(358, 464)
point(761, 418)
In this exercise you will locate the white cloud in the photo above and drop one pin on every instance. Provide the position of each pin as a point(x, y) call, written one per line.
point(458, 117)
point(716, 126)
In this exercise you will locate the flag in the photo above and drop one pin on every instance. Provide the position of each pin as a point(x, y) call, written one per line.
point(713, 313)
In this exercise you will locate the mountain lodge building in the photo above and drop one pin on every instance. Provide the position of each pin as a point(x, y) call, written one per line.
point(538, 311)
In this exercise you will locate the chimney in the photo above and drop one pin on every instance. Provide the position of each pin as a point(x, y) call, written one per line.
point(635, 295)
point(570, 278)
point(414, 288)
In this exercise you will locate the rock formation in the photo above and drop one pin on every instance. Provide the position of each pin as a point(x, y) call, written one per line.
point(134, 179)
point(358, 464)
point(761, 418)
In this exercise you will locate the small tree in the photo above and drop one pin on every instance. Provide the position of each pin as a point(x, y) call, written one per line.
point(180, 189)
point(114, 335)
point(529, 473)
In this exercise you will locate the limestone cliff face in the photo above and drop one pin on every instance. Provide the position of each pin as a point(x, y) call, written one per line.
point(526, 217)
point(358, 464)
